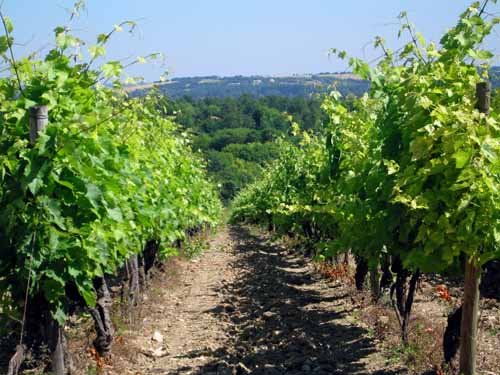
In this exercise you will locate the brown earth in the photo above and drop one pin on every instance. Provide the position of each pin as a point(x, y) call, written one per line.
point(245, 306)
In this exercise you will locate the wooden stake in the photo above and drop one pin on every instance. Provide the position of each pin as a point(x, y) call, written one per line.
point(56, 346)
point(483, 95)
point(39, 118)
point(468, 326)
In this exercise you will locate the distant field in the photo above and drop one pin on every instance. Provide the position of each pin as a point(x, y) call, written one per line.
point(305, 85)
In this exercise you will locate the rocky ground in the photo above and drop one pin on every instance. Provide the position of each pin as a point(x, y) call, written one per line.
point(245, 306)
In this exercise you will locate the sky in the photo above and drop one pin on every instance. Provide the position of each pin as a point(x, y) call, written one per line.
point(236, 37)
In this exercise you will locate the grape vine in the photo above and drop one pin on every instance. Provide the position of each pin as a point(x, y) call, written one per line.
point(408, 172)
point(107, 175)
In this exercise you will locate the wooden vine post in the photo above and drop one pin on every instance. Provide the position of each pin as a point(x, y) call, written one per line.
point(39, 118)
point(470, 310)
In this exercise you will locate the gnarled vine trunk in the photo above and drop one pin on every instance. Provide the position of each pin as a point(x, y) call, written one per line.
point(133, 281)
point(361, 272)
point(150, 254)
point(402, 295)
point(102, 318)
point(451, 337)
point(386, 278)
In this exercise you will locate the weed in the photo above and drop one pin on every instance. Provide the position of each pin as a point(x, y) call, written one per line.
point(118, 321)
point(494, 331)
point(193, 248)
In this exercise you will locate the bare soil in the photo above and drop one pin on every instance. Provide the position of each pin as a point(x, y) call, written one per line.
point(245, 306)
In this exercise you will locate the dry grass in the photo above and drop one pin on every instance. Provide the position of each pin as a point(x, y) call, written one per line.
point(424, 349)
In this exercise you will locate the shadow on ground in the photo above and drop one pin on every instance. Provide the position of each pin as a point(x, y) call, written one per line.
point(284, 321)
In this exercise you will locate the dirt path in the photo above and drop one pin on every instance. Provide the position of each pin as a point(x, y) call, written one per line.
point(246, 306)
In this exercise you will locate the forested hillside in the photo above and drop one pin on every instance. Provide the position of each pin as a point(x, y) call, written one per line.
point(495, 77)
point(236, 135)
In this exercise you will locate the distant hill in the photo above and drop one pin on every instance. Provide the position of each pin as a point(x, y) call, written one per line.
point(303, 85)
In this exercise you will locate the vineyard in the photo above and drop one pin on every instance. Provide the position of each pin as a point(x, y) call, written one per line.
point(104, 203)
point(405, 179)
point(98, 188)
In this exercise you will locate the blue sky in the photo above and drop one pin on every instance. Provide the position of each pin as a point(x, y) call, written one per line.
point(230, 37)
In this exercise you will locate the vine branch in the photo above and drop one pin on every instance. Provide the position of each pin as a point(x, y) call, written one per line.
point(13, 60)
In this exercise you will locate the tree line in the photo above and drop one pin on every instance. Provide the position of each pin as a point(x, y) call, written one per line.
point(237, 135)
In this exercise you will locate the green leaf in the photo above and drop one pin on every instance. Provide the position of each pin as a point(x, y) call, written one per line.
point(102, 38)
point(460, 38)
point(420, 39)
point(64, 183)
point(35, 185)
point(489, 148)
point(59, 316)
point(361, 68)
point(480, 54)
point(87, 291)
point(115, 214)
point(112, 69)
point(8, 24)
point(65, 40)
point(4, 44)
point(54, 212)
point(462, 158)
point(93, 194)
point(96, 51)
point(392, 166)
point(74, 272)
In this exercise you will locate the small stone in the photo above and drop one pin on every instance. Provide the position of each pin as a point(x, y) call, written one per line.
point(384, 320)
point(155, 353)
point(158, 337)
point(268, 315)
